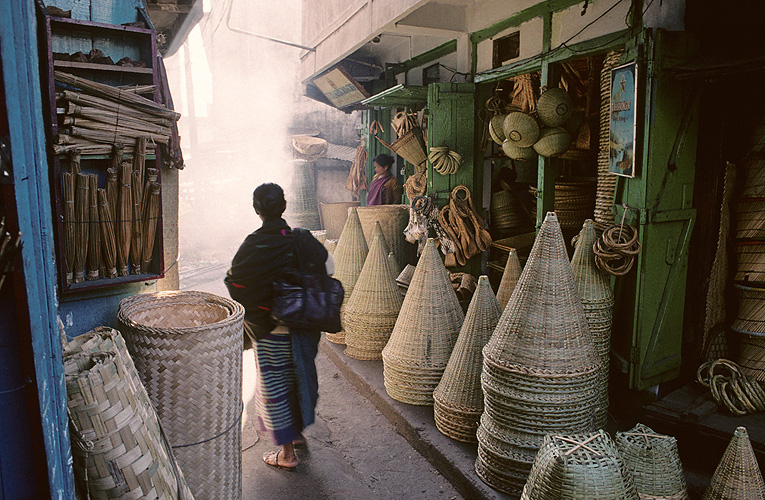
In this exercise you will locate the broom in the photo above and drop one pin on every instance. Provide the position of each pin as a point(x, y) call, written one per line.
point(81, 211)
point(150, 225)
point(124, 216)
point(135, 240)
point(94, 235)
point(112, 193)
point(108, 241)
point(74, 164)
point(69, 224)
point(139, 159)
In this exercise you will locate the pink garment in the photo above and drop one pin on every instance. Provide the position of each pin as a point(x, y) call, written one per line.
point(375, 195)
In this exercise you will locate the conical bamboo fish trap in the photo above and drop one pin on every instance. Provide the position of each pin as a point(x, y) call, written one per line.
point(540, 370)
point(302, 208)
point(393, 219)
point(371, 312)
point(426, 329)
point(334, 215)
point(597, 299)
point(350, 255)
point(654, 462)
point(458, 398)
point(509, 279)
point(738, 475)
point(392, 262)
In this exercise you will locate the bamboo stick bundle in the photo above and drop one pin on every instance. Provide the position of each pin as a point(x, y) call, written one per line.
point(116, 94)
point(138, 89)
point(67, 180)
point(67, 135)
point(135, 239)
point(150, 226)
point(81, 203)
point(152, 174)
point(128, 129)
point(108, 241)
point(94, 235)
point(74, 163)
point(81, 99)
point(114, 118)
point(121, 135)
point(139, 159)
point(87, 147)
point(124, 218)
point(112, 193)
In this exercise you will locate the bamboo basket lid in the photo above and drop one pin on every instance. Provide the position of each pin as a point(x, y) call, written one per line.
point(459, 393)
point(496, 128)
point(738, 475)
point(371, 312)
point(509, 279)
point(552, 142)
point(654, 462)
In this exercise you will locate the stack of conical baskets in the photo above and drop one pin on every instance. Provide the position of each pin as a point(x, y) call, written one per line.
point(597, 298)
point(334, 215)
point(654, 462)
point(393, 219)
point(458, 399)
point(737, 475)
point(540, 368)
point(302, 208)
point(426, 329)
point(371, 312)
point(509, 279)
point(349, 255)
point(606, 184)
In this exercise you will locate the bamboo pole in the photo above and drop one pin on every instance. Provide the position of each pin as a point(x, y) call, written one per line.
point(135, 240)
point(69, 224)
point(112, 193)
point(123, 135)
point(108, 241)
point(105, 120)
point(120, 114)
point(124, 218)
point(86, 100)
point(81, 203)
point(94, 234)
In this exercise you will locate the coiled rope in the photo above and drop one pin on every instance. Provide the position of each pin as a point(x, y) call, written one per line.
point(731, 388)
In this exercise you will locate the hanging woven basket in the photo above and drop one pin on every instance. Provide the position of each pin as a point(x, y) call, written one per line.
point(518, 153)
point(552, 142)
point(496, 128)
point(554, 107)
point(521, 129)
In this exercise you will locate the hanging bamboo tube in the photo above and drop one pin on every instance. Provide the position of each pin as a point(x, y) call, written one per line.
point(94, 235)
point(81, 202)
point(150, 226)
point(69, 224)
point(108, 241)
point(112, 193)
point(124, 218)
point(135, 240)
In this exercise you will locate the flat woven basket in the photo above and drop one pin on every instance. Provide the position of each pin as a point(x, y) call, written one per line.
point(579, 467)
point(349, 255)
point(334, 215)
point(187, 348)
point(594, 290)
point(425, 333)
point(371, 312)
point(458, 397)
point(302, 208)
point(738, 475)
point(654, 462)
point(510, 277)
point(393, 219)
point(552, 142)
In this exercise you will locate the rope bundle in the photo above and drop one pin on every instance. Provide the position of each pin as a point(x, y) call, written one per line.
point(739, 393)
point(616, 249)
point(444, 161)
point(462, 224)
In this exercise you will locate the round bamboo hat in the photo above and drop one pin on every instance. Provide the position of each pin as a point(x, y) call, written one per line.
point(371, 312)
point(458, 397)
point(496, 128)
point(334, 215)
point(393, 220)
point(552, 142)
point(554, 107)
point(426, 329)
point(738, 475)
point(594, 290)
point(653, 461)
point(350, 255)
point(509, 278)
point(521, 129)
point(516, 152)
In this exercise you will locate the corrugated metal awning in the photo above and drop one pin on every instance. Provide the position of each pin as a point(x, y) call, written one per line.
point(338, 152)
point(400, 95)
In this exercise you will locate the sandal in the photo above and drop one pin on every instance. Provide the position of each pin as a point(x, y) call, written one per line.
point(272, 458)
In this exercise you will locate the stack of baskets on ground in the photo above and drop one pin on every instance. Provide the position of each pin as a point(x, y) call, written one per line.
point(349, 255)
point(119, 448)
point(540, 371)
point(333, 217)
point(458, 399)
point(750, 323)
point(302, 208)
point(737, 475)
point(594, 290)
point(393, 219)
point(426, 329)
point(187, 348)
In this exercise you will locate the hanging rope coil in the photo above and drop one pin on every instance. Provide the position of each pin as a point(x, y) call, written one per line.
point(731, 388)
point(616, 249)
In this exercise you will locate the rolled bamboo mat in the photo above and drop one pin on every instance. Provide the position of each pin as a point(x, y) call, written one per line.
point(737, 475)
point(187, 347)
point(334, 215)
point(350, 255)
point(393, 220)
point(606, 184)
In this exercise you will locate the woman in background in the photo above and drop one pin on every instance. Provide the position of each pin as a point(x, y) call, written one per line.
point(384, 189)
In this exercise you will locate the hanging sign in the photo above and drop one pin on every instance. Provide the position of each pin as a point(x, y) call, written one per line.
point(340, 88)
point(621, 157)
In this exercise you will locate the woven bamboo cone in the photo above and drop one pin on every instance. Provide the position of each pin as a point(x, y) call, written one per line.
point(124, 219)
point(371, 312)
point(69, 224)
point(150, 227)
point(509, 279)
point(350, 255)
point(82, 212)
point(136, 237)
point(393, 219)
point(94, 233)
point(597, 299)
point(425, 333)
point(108, 240)
point(393, 263)
point(738, 474)
point(458, 397)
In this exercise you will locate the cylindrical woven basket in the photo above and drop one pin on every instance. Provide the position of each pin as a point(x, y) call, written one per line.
point(509, 279)
point(554, 107)
point(750, 318)
point(393, 219)
point(521, 129)
point(334, 215)
point(302, 208)
point(552, 142)
point(750, 262)
point(654, 462)
point(458, 397)
point(751, 358)
point(738, 475)
point(604, 215)
point(505, 212)
point(187, 347)
point(750, 222)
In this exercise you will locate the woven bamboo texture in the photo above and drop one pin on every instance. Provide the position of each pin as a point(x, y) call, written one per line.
point(540, 369)
point(187, 347)
point(330, 245)
point(579, 467)
point(371, 312)
point(334, 215)
point(458, 398)
point(392, 263)
point(118, 449)
point(554, 107)
point(350, 255)
point(750, 262)
point(751, 311)
point(751, 358)
point(425, 333)
point(738, 474)
point(594, 290)
point(404, 278)
point(754, 185)
point(654, 462)
point(604, 198)
point(393, 219)
point(505, 212)
point(302, 208)
point(521, 129)
point(750, 219)
point(510, 277)
point(552, 142)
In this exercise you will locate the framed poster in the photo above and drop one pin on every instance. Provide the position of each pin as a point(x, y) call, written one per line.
point(340, 88)
point(621, 154)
